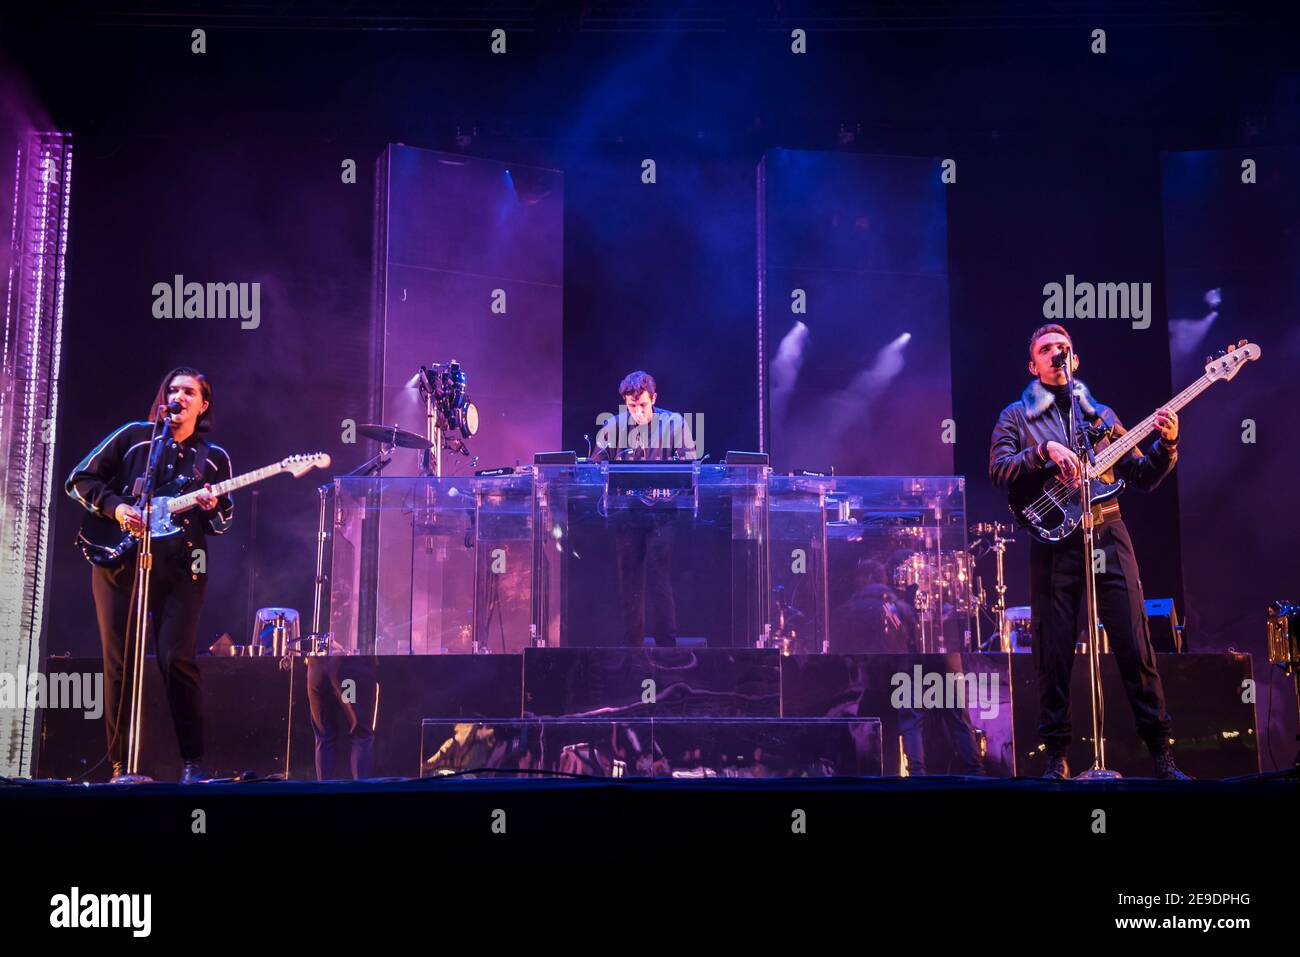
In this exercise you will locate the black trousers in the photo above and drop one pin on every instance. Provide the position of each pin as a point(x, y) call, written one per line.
point(954, 723)
point(643, 542)
point(339, 709)
point(175, 600)
point(1056, 575)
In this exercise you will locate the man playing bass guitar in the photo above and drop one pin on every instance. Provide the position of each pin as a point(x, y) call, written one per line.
point(1032, 435)
point(103, 483)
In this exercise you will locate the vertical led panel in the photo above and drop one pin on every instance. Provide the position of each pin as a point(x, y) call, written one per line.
point(29, 379)
point(853, 313)
point(469, 266)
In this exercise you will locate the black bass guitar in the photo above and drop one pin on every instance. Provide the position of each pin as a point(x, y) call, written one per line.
point(1050, 509)
point(104, 543)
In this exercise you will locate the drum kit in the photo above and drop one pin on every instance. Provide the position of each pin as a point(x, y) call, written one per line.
point(937, 583)
point(945, 587)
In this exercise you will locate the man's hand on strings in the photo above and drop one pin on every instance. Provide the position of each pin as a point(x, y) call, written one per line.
point(1066, 461)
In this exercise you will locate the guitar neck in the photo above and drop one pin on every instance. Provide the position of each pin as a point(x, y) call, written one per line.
point(1116, 450)
point(181, 502)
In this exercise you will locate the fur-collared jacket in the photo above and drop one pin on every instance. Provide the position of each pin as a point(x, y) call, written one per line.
point(1026, 426)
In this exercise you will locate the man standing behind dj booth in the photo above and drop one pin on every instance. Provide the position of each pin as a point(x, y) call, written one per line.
point(643, 534)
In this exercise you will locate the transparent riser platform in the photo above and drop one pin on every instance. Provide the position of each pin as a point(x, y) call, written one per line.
point(682, 748)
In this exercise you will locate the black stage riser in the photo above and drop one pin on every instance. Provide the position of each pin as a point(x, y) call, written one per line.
point(248, 726)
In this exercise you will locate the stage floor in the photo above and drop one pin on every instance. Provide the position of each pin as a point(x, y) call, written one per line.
point(257, 717)
point(548, 805)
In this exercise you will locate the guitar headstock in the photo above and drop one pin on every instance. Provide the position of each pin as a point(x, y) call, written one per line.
point(300, 465)
point(1229, 362)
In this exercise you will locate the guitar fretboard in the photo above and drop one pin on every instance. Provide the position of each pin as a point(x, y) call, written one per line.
point(181, 502)
point(1116, 450)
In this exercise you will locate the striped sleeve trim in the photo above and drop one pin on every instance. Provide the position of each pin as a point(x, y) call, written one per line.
point(89, 464)
point(220, 520)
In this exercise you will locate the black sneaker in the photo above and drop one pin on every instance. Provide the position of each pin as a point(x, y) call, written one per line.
point(1165, 768)
point(1058, 769)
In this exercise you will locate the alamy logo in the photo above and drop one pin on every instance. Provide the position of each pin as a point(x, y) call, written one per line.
point(925, 690)
point(76, 691)
point(1105, 300)
point(103, 910)
point(179, 299)
point(684, 431)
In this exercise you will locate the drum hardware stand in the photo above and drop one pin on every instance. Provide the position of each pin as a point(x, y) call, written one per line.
point(446, 409)
point(999, 609)
point(1081, 444)
point(431, 467)
point(1000, 585)
point(144, 487)
point(921, 602)
point(432, 430)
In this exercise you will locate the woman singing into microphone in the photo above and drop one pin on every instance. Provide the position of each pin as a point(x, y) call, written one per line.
point(104, 484)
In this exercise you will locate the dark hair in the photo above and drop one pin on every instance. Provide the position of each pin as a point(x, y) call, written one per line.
point(634, 383)
point(204, 422)
point(871, 572)
point(1044, 330)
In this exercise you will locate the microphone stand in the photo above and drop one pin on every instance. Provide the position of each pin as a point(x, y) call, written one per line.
point(1081, 444)
point(143, 567)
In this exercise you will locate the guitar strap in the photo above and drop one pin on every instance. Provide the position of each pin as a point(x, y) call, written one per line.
point(200, 461)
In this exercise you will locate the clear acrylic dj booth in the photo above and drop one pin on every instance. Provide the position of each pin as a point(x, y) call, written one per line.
point(869, 564)
point(427, 566)
point(618, 554)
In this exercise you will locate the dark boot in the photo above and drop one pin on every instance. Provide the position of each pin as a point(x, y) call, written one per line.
point(193, 774)
point(1058, 768)
point(1165, 768)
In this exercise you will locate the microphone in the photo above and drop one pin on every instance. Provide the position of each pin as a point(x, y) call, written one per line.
point(1058, 360)
point(171, 408)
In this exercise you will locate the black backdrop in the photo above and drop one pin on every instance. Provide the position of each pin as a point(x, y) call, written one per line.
point(226, 166)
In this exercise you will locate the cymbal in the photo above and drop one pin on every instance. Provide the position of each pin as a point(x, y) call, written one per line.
point(392, 435)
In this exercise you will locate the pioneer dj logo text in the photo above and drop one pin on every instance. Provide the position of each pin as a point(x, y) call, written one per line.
point(179, 299)
point(76, 691)
point(948, 690)
point(75, 910)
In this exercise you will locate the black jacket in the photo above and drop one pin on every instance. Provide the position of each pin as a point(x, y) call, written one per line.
point(1024, 427)
point(105, 478)
point(667, 437)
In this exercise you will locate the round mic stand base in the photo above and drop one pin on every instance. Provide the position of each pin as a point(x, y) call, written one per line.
point(1097, 773)
point(132, 779)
